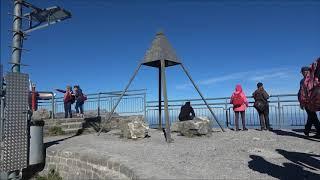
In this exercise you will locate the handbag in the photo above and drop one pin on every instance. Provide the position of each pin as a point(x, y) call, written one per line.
point(259, 105)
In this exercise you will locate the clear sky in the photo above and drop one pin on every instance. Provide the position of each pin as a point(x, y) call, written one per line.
point(221, 44)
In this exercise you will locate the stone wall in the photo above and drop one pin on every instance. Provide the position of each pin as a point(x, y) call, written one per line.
point(71, 165)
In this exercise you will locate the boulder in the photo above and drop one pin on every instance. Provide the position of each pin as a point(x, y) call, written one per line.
point(133, 127)
point(41, 114)
point(196, 127)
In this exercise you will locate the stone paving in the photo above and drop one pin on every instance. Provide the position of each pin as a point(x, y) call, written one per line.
point(282, 154)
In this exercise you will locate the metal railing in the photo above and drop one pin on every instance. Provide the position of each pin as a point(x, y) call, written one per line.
point(134, 102)
point(284, 112)
point(284, 109)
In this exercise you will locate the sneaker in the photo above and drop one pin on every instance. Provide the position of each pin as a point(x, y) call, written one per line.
point(245, 129)
point(306, 133)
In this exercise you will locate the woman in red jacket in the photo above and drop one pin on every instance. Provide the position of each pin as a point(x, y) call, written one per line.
point(68, 100)
point(240, 104)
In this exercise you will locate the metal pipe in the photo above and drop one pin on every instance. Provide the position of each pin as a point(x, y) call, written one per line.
point(165, 97)
point(125, 90)
point(279, 112)
point(52, 106)
point(17, 36)
point(223, 98)
point(196, 87)
point(226, 110)
point(159, 101)
point(98, 104)
point(145, 106)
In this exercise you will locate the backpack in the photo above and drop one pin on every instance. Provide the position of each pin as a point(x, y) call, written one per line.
point(84, 97)
point(73, 99)
point(237, 100)
point(309, 93)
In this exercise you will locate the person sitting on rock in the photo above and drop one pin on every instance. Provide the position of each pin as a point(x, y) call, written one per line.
point(186, 112)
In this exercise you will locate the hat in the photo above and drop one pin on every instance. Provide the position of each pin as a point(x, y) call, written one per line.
point(305, 68)
point(259, 84)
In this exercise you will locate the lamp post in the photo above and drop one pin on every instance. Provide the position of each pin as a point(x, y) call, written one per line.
point(37, 18)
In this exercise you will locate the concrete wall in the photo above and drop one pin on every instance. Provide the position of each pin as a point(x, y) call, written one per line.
point(71, 165)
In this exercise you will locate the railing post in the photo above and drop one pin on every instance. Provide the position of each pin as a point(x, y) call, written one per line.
point(53, 108)
point(226, 110)
point(111, 104)
point(99, 104)
point(145, 106)
point(279, 112)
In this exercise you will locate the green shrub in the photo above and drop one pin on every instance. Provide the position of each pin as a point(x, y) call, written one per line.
point(52, 175)
point(55, 131)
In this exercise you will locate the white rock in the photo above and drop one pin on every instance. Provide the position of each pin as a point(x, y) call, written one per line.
point(41, 114)
point(198, 126)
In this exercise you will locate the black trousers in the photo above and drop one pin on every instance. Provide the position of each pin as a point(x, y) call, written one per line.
point(243, 118)
point(312, 120)
point(67, 110)
point(264, 118)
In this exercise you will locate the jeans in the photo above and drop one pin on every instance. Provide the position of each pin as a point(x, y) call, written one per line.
point(243, 118)
point(312, 120)
point(67, 110)
point(264, 118)
point(79, 105)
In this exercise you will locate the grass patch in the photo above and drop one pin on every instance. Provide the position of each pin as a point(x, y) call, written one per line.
point(52, 175)
point(56, 131)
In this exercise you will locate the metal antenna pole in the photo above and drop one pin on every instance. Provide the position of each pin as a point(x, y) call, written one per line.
point(165, 97)
point(121, 96)
point(17, 36)
point(160, 99)
point(196, 87)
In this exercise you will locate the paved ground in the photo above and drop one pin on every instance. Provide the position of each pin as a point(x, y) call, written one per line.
point(230, 155)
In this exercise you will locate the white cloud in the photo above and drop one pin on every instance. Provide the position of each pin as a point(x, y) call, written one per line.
point(270, 76)
point(255, 75)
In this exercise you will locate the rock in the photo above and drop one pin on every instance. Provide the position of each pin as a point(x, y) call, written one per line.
point(94, 113)
point(175, 127)
point(196, 127)
point(256, 139)
point(41, 114)
point(133, 127)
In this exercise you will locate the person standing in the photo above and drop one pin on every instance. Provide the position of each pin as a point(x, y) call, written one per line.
point(240, 104)
point(80, 98)
point(68, 100)
point(262, 106)
point(312, 116)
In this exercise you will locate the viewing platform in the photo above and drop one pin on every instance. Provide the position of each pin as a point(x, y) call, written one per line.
point(253, 154)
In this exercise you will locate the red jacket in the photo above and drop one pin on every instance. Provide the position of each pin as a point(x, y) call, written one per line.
point(244, 106)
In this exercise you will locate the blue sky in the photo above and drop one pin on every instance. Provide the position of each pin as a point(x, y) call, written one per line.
point(221, 44)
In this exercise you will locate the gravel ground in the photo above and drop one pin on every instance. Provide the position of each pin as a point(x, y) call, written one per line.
point(252, 154)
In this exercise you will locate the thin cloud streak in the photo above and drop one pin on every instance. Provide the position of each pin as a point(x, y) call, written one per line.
point(257, 75)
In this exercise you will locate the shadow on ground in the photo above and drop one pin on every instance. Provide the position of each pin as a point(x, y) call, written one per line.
point(294, 134)
point(298, 168)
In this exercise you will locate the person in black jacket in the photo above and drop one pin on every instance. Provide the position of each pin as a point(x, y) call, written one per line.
point(261, 104)
point(186, 112)
point(79, 100)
